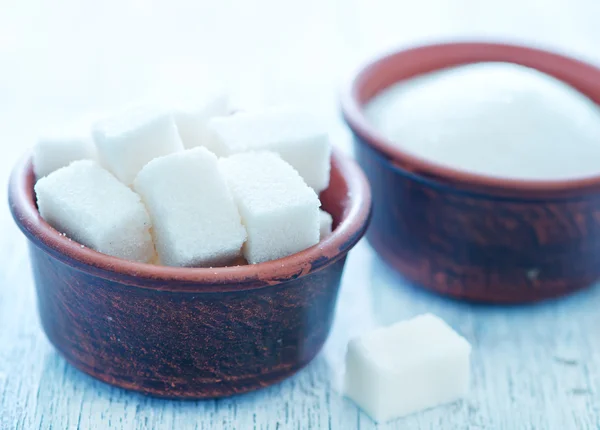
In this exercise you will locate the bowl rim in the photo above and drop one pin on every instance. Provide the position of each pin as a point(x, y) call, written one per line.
point(350, 229)
point(463, 52)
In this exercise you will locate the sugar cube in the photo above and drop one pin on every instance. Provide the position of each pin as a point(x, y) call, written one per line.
point(91, 206)
point(326, 222)
point(407, 367)
point(298, 137)
point(195, 220)
point(280, 212)
point(59, 148)
point(127, 141)
point(192, 117)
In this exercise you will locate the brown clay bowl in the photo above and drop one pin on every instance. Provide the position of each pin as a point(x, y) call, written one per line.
point(184, 332)
point(466, 235)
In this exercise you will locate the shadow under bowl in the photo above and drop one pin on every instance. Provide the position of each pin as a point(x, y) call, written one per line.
point(466, 235)
point(190, 332)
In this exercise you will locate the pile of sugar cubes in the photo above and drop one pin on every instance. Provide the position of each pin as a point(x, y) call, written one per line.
point(407, 367)
point(191, 186)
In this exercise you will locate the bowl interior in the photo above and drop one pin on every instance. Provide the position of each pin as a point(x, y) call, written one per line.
point(347, 199)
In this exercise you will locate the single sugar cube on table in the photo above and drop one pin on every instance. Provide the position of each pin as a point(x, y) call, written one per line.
point(59, 149)
point(127, 141)
point(407, 367)
point(298, 137)
point(326, 222)
point(89, 205)
point(192, 117)
point(195, 220)
point(280, 212)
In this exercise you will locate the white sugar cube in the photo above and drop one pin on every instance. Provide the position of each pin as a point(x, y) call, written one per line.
point(60, 148)
point(192, 117)
point(280, 212)
point(407, 367)
point(89, 205)
point(127, 141)
point(326, 222)
point(195, 220)
point(298, 137)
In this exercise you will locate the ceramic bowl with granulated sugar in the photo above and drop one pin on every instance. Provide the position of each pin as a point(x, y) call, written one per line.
point(482, 159)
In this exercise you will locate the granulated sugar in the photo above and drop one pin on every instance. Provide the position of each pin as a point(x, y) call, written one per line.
point(495, 119)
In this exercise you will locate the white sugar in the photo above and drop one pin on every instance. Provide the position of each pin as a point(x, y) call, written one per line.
point(298, 137)
point(280, 212)
point(192, 116)
point(91, 206)
point(196, 222)
point(407, 367)
point(496, 119)
point(325, 224)
point(59, 148)
point(129, 140)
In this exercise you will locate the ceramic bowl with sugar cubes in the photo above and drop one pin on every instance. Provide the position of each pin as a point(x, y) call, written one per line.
point(482, 159)
point(188, 256)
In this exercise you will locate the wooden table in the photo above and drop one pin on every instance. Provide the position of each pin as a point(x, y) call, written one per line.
point(534, 367)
